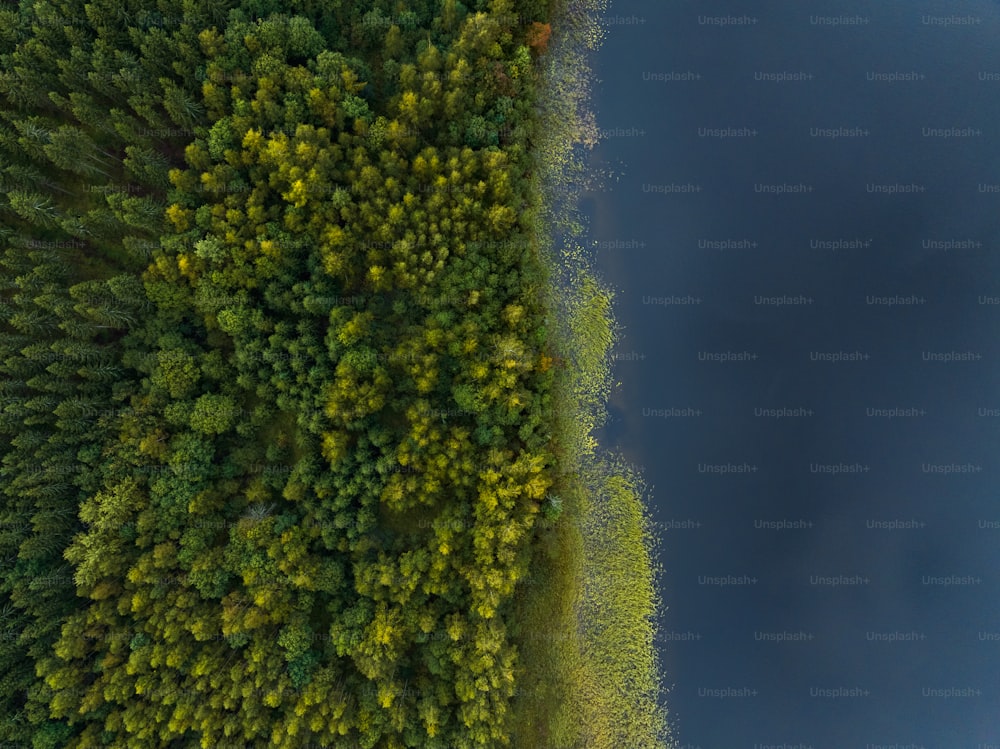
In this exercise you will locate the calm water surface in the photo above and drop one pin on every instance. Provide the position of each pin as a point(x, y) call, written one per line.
point(803, 235)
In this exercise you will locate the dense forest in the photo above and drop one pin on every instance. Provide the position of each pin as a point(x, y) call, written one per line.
point(276, 372)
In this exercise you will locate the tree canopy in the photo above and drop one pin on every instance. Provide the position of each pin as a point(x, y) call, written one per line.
point(274, 374)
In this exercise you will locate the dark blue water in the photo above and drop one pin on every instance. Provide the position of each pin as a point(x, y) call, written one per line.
point(807, 272)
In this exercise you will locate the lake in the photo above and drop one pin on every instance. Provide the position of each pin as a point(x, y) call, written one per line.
point(802, 233)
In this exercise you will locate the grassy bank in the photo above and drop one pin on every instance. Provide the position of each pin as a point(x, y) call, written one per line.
point(587, 615)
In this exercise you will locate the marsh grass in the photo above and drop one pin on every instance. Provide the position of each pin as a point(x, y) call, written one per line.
point(589, 673)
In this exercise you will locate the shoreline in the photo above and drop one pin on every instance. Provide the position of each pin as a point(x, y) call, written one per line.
point(608, 690)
